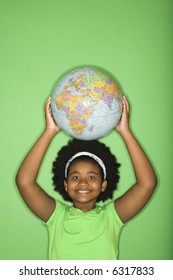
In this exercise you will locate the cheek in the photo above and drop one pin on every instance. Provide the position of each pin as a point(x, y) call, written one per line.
point(97, 186)
point(71, 185)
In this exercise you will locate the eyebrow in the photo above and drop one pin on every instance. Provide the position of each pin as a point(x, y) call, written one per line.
point(77, 172)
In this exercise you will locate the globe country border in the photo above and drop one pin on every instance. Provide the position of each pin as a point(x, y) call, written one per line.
point(89, 130)
point(86, 82)
point(80, 109)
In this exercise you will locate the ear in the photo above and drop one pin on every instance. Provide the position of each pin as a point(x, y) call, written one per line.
point(65, 185)
point(104, 185)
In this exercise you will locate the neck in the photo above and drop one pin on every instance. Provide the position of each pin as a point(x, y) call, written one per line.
point(85, 207)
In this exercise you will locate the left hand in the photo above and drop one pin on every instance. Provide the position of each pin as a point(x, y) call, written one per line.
point(50, 123)
point(123, 124)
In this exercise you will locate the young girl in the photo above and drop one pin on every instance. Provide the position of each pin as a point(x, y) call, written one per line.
point(85, 172)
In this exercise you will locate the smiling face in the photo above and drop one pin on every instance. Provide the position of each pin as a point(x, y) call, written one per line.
point(84, 183)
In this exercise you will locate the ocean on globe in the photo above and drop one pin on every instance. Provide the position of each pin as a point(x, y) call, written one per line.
point(86, 103)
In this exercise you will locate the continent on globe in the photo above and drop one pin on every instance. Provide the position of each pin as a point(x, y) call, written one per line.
point(87, 103)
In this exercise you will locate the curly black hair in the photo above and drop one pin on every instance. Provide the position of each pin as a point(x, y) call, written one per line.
point(99, 149)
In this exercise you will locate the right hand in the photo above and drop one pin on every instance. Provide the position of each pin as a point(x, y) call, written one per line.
point(123, 124)
point(50, 123)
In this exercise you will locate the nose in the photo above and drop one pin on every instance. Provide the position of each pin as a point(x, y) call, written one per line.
point(83, 182)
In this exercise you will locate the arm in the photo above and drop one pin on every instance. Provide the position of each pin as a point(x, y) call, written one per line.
point(36, 199)
point(128, 205)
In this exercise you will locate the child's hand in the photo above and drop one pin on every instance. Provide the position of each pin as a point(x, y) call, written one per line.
point(50, 123)
point(123, 124)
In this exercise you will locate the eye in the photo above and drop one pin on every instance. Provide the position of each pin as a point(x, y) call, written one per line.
point(75, 177)
point(92, 178)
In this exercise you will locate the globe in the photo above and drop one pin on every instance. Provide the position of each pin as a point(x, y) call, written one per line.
point(86, 103)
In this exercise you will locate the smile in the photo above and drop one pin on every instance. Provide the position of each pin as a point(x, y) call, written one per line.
point(83, 192)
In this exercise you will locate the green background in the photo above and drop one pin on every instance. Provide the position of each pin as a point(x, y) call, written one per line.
point(42, 39)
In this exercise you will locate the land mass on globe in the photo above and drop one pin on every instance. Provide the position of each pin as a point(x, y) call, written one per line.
point(80, 96)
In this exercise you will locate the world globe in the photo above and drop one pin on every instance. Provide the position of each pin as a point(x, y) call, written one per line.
point(86, 103)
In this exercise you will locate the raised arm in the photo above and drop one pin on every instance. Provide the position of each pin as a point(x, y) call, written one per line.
point(39, 202)
point(128, 205)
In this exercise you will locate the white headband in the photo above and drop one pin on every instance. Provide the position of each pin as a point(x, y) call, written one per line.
point(96, 158)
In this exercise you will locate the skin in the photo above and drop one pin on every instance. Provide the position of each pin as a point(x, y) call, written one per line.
point(84, 184)
point(127, 206)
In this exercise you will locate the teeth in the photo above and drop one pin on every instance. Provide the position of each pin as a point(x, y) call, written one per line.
point(83, 191)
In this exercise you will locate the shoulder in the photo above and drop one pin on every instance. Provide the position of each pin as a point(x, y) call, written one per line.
point(109, 208)
point(60, 207)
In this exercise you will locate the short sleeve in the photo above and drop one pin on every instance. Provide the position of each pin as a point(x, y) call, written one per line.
point(111, 209)
point(54, 214)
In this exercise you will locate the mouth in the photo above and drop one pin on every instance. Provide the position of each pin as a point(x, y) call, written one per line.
point(83, 191)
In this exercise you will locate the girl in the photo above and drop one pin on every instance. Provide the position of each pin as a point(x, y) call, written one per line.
point(84, 173)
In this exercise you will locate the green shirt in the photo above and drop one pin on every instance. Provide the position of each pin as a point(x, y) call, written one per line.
point(77, 235)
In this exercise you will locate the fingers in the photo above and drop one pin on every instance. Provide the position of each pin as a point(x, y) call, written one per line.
point(48, 102)
point(48, 105)
point(126, 106)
